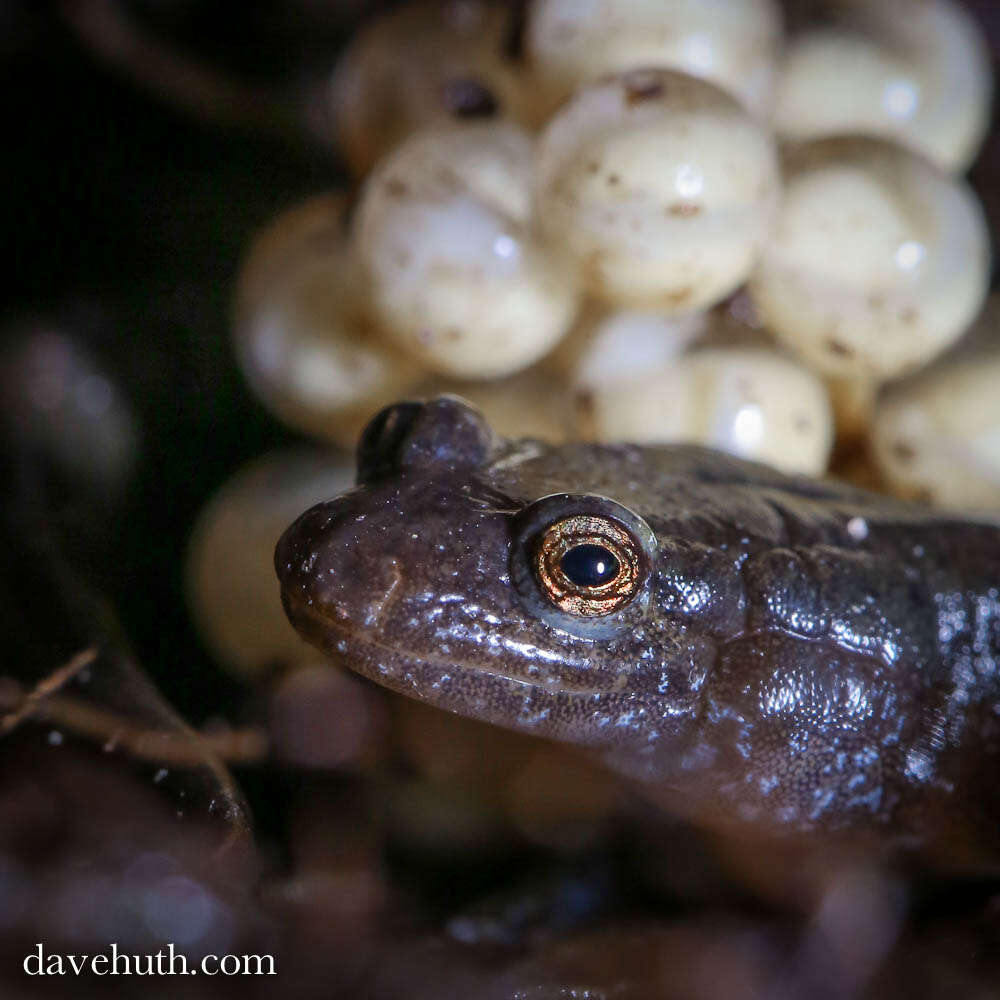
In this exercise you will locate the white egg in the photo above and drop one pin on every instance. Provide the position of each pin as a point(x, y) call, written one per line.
point(660, 187)
point(231, 587)
point(936, 434)
point(732, 43)
point(304, 339)
point(606, 347)
point(918, 73)
point(879, 260)
point(421, 63)
point(458, 277)
point(748, 401)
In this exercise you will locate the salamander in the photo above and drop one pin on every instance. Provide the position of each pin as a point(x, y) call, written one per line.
point(761, 652)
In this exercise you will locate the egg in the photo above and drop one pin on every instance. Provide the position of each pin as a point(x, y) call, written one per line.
point(752, 402)
point(610, 345)
point(303, 335)
point(879, 260)
point(459, 279)
point(422, 63)
point(660, 187)
point(918, 73)
point(231, 587)
point(936, 434)
point(732, 43)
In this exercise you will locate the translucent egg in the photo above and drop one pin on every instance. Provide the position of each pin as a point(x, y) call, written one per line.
point(936, 434)
point(879, 260)
point(732, 43)
point(420, 63)
point(458, 278)
point(750, 402)
point(305, 341)
point(231, 587)
point(607, 346)
point(918, 73)
point(660, 186)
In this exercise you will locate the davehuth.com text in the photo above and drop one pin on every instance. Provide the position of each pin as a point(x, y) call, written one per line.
point(167, 962)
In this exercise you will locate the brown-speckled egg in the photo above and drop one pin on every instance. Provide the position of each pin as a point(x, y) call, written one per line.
point(661, 188)
point(458, 276)
point(303, 335)
point(918, 73)
point(424, 62)
point(879, 260)
point(732, 43)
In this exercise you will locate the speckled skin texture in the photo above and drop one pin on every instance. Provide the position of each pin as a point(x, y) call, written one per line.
point(804, 657)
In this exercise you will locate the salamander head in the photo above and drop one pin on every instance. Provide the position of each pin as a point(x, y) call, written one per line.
point(463, 572)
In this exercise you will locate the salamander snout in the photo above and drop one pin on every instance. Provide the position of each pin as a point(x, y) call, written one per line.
point(393, 557)
point(327, 571)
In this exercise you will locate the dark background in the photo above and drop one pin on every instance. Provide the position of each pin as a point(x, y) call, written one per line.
point(127, 213)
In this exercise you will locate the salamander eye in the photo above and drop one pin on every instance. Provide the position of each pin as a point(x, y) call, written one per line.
point(582, 563)
point(588, 566)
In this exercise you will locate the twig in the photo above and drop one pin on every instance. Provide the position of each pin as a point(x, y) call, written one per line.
point(178, 749)
point(115, 37)
point(47, 687)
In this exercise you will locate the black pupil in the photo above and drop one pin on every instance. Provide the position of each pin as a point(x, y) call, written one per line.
point(589, 565)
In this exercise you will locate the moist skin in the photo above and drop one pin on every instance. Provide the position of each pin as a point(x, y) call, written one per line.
point(801, 657)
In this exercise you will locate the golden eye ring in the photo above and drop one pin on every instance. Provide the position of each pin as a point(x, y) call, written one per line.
point(583, 563)
point(588, 565)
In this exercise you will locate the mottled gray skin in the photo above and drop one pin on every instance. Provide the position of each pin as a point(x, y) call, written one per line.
point(805, 656)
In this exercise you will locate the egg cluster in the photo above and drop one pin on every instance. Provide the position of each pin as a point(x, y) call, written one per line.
point(650, 220)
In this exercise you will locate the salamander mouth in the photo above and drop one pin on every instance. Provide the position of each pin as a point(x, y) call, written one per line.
point(468, 689)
